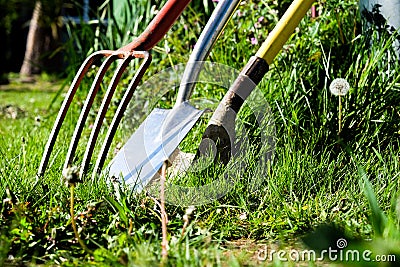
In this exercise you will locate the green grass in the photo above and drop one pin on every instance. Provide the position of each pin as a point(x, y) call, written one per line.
point(317, 178)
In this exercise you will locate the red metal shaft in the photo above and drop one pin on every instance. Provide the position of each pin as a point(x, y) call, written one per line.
point(158, 27)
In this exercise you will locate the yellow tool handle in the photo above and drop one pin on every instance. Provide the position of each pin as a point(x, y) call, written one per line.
point(282, 31)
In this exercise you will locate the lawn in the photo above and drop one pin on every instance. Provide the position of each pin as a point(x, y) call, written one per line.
point(332, 183)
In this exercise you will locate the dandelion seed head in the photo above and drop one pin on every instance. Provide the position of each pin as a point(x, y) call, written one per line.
point(190, 210)
point(339, 87)
point(71, 174)
point(38, 120)
point(243, 216)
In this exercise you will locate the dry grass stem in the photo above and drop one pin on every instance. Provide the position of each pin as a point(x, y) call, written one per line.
point(164, 216)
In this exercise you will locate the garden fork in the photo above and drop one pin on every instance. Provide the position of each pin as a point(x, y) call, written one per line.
point(138, 48)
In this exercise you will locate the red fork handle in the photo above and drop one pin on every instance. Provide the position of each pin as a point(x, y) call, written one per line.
point(158, 27)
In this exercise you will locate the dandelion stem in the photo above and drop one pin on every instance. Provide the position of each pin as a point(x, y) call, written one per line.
point(24, 153)
point(339, 87)
point(83, 245)
point(340, 115)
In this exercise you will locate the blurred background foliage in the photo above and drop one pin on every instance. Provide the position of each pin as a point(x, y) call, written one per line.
point(103, 24)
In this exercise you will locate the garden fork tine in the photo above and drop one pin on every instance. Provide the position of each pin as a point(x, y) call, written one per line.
point(112, 56)
point(118, 114)
point(105, 103)
point(138, 48)
point(65, 106)
point(111, 131)
point(88, 104)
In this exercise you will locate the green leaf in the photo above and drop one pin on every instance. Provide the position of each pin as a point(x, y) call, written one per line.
point(379, 219)
point(117, 207)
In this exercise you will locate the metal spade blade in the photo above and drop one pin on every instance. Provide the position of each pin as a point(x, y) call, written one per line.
point(153, 143)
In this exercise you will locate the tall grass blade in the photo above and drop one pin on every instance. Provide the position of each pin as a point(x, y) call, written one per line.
point(378, 217)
